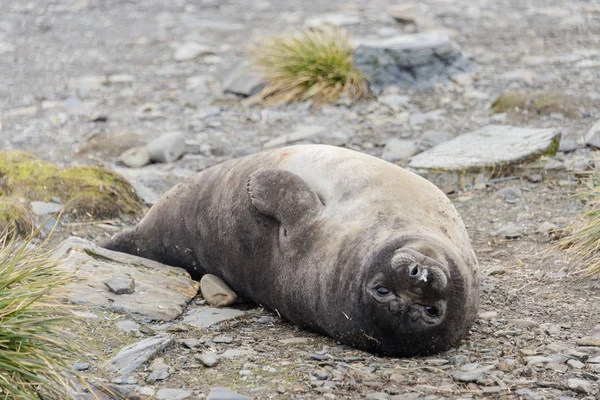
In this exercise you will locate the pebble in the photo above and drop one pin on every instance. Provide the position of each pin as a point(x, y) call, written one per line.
point(320, 357)
point(120, 285)
point(223, 339)
point(331, 19)
point(594, 360)
point(509, 231)
point(562, 368)
point(395, 102)
point(190, 50)
point(589, 341)
point(523, 323)
point(172, 394)
point(431, 139)
point(216, 292)
point(488, 315)
point(460, 359)
point(301, 132)
point(378, 396)
point(510, 194)
point(128, 326)
point(242, 82)
point(468, 376)
point(593, 136)
point(42, 208)
point(399, 150)
point(191, 343)
point(537, 360)
point(135, 157)
point(321, 375)
point(220, 393)
point(81, 366)
point(567, 146)
point(266, 320)
point(546, 227)
point(125, 380)
point(208, 358)
point(580, 385)
point(576, 364)
point(160, 371)
point(167, 148)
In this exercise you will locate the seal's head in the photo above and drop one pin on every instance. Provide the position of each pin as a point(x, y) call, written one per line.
point(415, 299)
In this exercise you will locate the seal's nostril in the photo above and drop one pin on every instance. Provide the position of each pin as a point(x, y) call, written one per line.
point(414, 269)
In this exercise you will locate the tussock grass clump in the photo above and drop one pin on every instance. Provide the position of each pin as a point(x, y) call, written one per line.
point(313, 65)
point(582, 241)
point(32, 344)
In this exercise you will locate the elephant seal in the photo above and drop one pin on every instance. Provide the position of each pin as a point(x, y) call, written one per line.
point(332, 239)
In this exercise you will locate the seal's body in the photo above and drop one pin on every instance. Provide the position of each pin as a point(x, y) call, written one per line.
point(331, 239)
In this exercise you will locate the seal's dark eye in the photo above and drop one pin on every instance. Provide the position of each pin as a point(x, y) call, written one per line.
point(431, 311)
point(382, 290)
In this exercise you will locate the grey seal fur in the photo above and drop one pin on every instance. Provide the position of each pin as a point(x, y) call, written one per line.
point(331, 239)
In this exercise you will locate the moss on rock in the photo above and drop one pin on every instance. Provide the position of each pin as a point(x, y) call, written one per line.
point(540, 103)
point(85, 190)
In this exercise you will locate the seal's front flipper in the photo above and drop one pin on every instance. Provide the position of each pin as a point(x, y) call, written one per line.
point(283, 195)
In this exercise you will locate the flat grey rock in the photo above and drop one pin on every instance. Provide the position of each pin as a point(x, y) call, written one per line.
point(399, 150)
point(492, 146)
point(220, 393)
point(132, 356)
point(172, 394)
point(417, 59)
point(190, 50)
point(208, 358)
point(243, 81)
point(161, 292)
point(208, 316)
point(42, 208)
point(332, 19)
point(135, 157)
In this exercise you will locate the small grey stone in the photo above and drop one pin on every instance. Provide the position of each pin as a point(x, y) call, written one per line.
point(207, 112)
point(172, 394)
point(320, 357)
point(378, 396)
point(460, 359)
point(491, 389)
point(593, 136)
point(128, 326)
point(537, 360)
point(120, 285)
point(469, 367)
point(567, 146)
point(394, 101)
point(546, 227)
point(580, 355)
point(510, 194)
point(399, 150)
point(535, 178)
point(335, 138)
point(321, 375)
point(160, 371)
point(243, 82)
point(42, 208)
point(208, 316)
point(300, 133)
point(125, 380)
point(527, 394)
point(191, 343)
point(216, 292)
point(594, 360)
point(509, 231)
point(208, 358)
point(331, 19)
point(576, 364)
point(523, 323)
point(580, 385)
point(223, 339)
point(191, 50)
point(420, 118)
point(468, 376)
point(220, 393)
point(431, 139)
point(488, 315)
point(436, 361)
point(135, 157)
point(167, 148)
point(81, 366)
point(132, 356)
point(245, 372)
point(562, 368)
point(266, 320)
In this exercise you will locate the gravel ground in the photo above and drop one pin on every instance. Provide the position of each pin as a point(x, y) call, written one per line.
point(84, 80)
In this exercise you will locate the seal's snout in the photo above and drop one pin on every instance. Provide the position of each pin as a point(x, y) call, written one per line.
point(420, 271)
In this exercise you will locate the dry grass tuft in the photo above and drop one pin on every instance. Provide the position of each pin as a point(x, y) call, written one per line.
point(582, 243)
point(32, 345)
point(313, 65)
